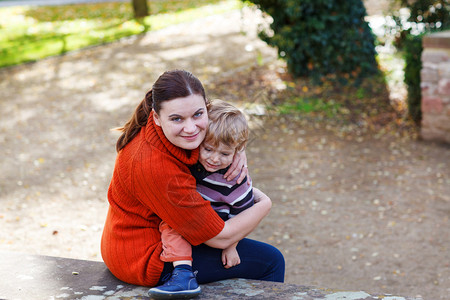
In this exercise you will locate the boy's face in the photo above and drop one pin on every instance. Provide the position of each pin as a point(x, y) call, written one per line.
point(215, 158)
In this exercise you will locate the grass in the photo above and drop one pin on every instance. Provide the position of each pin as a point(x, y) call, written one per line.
point(363, 103)
point(31, 33)
point(304, 105)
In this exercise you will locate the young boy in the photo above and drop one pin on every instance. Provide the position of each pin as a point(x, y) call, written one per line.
point(227, 133)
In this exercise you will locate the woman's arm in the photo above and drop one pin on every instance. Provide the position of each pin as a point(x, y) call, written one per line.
point(242, 224)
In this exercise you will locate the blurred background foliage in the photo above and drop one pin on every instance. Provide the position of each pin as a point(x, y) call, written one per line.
point(324, 42)
point(29, 33)
point(326, 39)
point(412, 20)
point(321, 37)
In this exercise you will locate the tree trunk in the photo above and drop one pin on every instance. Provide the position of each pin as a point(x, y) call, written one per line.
point(140, 8)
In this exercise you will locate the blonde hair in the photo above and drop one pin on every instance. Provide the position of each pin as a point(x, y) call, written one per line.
point(227, 125)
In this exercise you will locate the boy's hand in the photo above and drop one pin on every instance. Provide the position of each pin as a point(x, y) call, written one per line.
point(239, 164)
point(230, 257)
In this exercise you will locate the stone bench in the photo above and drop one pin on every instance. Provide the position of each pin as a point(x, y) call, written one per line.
point(42, 277)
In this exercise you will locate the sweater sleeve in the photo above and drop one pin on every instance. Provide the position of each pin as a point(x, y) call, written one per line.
point(165, 185)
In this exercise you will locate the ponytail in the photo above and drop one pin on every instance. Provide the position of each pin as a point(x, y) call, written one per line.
point(138, 119)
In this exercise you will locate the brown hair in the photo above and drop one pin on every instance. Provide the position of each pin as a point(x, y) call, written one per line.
point(226, 125)
point(170, 85)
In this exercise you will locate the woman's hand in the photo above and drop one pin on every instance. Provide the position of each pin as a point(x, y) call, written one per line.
point(239, 164)
point(230, 257)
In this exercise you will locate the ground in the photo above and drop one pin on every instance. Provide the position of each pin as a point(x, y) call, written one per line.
point(354, 207)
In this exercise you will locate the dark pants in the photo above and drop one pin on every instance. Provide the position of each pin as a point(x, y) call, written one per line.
point(259, 261)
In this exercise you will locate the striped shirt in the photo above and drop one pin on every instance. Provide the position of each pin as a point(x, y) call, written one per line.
point(227, 197)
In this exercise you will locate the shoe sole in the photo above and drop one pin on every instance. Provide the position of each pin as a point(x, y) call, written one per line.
point(160, 294)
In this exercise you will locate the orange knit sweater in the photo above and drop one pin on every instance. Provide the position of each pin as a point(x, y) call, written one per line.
point(152, 182)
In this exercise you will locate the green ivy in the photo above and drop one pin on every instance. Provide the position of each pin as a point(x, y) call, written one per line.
point(321, 37)
point(412, 53)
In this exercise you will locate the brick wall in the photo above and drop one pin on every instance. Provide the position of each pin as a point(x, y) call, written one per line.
point(435, 86)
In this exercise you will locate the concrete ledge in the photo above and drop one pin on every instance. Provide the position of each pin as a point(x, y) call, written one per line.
point(43, 277)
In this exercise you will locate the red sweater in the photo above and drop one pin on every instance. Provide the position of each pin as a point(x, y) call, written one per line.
point(152, 182)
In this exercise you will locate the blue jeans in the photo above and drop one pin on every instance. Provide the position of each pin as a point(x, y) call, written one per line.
point(259, 261)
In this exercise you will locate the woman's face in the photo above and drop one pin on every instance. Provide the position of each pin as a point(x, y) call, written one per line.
point(183, 121)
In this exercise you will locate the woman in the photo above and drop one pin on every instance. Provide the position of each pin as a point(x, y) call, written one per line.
point(151, 182)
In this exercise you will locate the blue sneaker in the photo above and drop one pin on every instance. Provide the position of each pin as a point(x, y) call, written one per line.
point(181, 284)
